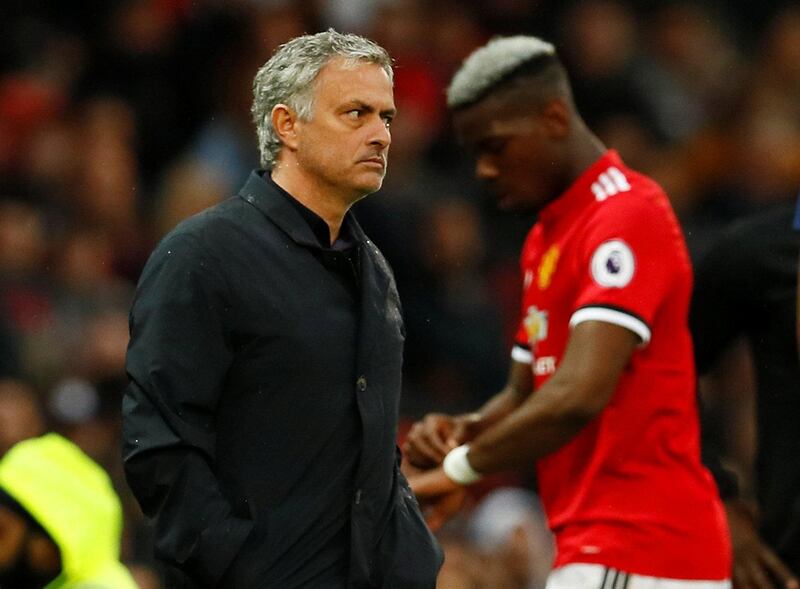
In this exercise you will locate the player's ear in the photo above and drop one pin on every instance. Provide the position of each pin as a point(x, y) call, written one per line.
point(284, 121)
point(557, 120)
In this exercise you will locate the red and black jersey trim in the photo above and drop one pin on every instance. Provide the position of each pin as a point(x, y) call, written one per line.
point(614, 308)
point(614, 315)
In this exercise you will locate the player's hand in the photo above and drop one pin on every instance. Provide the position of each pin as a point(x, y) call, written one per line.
point(430, 439)
point(466, 427)
point(427, 441)
point(439, 497)
point(755, 565)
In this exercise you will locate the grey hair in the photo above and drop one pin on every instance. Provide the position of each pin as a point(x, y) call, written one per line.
point(491, 64)
point(288, 78)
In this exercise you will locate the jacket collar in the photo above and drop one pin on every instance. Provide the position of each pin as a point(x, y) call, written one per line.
point(266, 197)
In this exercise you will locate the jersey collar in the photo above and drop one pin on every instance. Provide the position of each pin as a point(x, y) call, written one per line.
point(579, 194)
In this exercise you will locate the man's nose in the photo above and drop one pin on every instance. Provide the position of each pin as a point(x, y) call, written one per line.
point(380, 135)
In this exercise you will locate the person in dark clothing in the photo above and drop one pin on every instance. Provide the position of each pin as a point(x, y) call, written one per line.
point(746, 287)
point(9, 351)
point(265, 358)
point(796, 225)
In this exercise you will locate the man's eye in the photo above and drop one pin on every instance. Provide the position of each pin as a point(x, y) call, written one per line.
point(354, 114)
point(387, 121)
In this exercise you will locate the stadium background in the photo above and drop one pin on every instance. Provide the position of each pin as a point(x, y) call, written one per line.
point(120, 118)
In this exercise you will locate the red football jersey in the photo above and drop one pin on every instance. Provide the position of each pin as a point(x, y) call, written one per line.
point(629, 491)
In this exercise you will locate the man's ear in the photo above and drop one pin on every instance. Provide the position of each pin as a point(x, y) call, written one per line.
point(557, 119)
point(284, 121)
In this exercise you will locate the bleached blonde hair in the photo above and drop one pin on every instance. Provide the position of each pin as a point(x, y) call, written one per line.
point(492, 64)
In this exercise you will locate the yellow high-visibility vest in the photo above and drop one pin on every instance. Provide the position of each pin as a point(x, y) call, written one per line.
point(72, 498)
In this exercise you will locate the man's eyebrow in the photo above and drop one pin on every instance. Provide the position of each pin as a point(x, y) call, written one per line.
point(360, 104)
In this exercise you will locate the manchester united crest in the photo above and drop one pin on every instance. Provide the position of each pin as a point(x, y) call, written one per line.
point(535, 325)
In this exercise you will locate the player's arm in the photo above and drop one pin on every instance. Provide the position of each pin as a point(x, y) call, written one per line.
point(596, 354)
point(434, 436)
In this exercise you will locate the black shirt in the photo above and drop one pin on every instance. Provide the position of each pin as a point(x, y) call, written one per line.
point(341, 257)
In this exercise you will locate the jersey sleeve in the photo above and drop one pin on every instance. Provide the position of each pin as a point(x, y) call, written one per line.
point(521, 351)
point(627, 261)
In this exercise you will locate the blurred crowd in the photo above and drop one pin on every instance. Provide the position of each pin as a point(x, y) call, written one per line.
point(120, 118)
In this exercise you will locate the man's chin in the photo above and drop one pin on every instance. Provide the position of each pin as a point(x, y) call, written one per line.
point(368, 186)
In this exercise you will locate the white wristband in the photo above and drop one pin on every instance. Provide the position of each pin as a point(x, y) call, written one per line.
point(457, 467)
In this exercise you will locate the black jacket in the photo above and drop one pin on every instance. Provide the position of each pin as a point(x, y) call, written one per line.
point(260, 419)
point(746, 286)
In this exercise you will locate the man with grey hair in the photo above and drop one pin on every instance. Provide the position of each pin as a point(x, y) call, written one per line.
point(265, 354)
point(612, 426)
